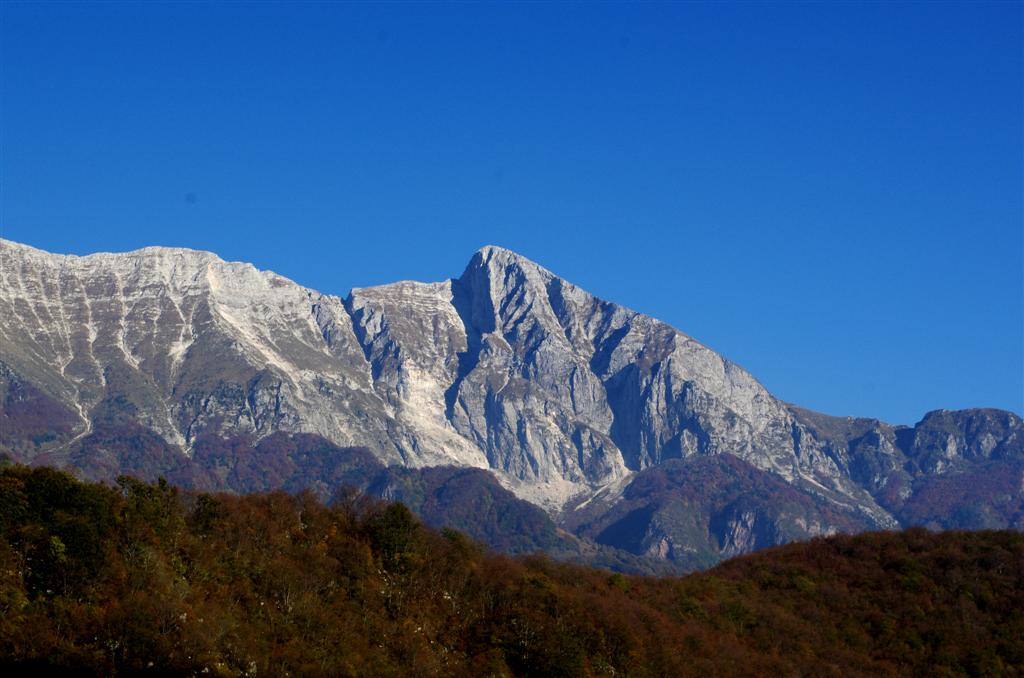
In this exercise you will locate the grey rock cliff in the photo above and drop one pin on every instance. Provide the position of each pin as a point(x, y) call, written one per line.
point(563, 393)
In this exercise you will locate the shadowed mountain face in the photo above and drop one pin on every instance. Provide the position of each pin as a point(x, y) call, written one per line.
point(163, 361)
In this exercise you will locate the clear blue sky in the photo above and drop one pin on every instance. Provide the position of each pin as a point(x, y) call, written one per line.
point(828, 194)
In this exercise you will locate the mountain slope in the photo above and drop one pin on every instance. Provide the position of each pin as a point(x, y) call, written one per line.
point(565, 392)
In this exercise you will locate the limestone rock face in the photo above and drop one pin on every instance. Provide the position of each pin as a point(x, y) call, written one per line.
point(945, 439)
point(561, 392)
point(564, 396)
point(188, 343)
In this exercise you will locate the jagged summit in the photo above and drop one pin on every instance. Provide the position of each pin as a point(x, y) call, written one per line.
point(502, 257)
point(505, 261)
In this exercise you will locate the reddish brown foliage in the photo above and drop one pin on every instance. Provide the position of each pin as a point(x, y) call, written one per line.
point(147, 578)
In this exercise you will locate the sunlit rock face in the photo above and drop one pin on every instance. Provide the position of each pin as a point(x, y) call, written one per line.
point(188, 342)
point(565, 397)
point(563, 393)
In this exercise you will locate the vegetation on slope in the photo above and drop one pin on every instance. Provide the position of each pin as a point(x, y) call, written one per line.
point(145, 578)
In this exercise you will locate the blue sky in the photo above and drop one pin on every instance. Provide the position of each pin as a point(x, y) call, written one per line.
point(829, 194)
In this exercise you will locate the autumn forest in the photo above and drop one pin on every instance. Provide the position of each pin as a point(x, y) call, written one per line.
point(148, 579)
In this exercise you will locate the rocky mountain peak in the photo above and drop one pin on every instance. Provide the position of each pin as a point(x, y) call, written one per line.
point(498, 287)
point(501, 257)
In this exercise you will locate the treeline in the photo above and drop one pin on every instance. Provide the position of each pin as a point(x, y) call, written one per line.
point(147, 579)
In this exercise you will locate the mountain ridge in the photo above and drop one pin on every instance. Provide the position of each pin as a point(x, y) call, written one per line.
point(565, 397)
point(181, 250)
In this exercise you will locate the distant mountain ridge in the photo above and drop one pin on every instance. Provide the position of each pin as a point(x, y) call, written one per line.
point(148, 360)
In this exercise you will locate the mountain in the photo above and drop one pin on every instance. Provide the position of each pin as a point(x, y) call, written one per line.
point(174, 362)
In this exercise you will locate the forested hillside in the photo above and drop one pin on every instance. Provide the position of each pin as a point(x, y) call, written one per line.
point(145, 578)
